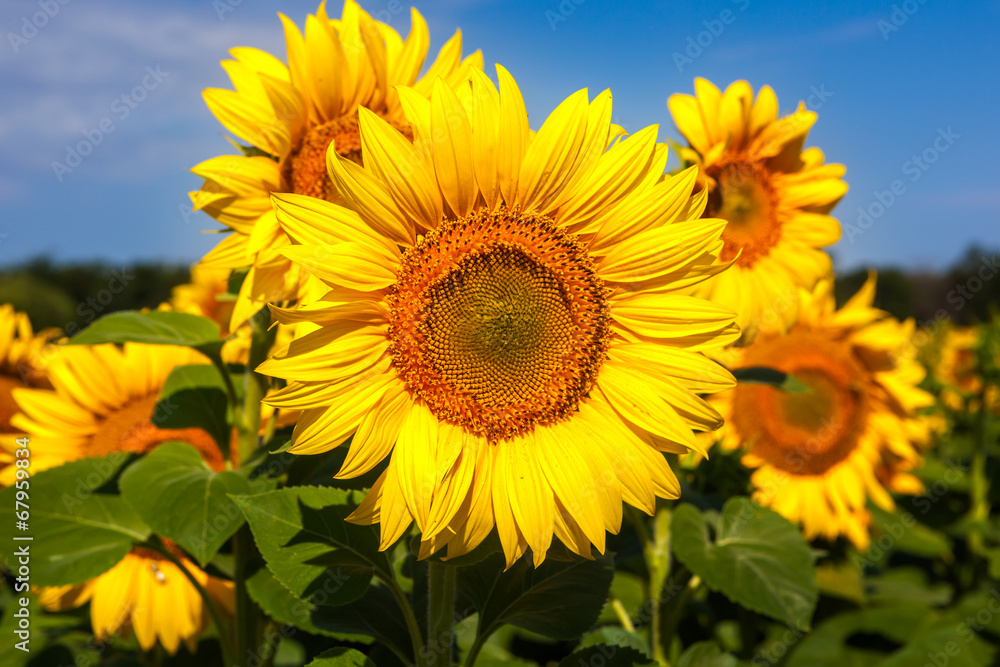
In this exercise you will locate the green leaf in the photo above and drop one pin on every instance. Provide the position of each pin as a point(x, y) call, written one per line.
point(558, 599)
point(772, 377)
point(842, 580)
point(80, 529)
point(308, 545)
point(182, 499)
point(902, 532)
point(758, 559)
point(157, 327)
point(279, 603)
point(705, 654)
point(341, 657)
point(376, 615)
point(195, 397)
point(607, 656)
point(614, 635)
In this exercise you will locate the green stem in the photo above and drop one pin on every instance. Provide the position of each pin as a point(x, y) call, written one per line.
point(249, 618)
point(440, 613)
point(416, 638)
point(677, 606)
point(656, 552)
point(477, 646)
point(980, 487)
point(225, 641)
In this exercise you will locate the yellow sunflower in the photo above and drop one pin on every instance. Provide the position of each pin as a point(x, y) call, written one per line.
point(148, 594)
point(958, 370)
point(503, 321)
point(102, 401)
point(853, 434)
point(290, 115)
point(23, 357)
point(775, 196)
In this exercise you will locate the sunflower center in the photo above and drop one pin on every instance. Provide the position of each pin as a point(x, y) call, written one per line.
point(804, 433)
point(743, 196)
point(130, 429)
point(8, 408)
point(305, 168)
point(498, 322)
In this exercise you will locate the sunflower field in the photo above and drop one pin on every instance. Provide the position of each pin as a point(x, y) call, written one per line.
point(459, 388)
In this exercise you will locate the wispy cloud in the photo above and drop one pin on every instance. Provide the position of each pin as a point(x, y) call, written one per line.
point(67, 79)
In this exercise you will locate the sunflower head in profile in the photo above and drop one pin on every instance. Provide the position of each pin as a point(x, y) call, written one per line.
point(504, 320)
point(775, 197)
point(290, 114)
point(851, 433)
point(103, 400)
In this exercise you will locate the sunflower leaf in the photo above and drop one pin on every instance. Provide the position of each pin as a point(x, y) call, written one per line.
point(195, 397)
point(182, 499)
point(341, 657)
point(279, 603)
point(310, 548)
point(79, 526)
point(706, 654)
point(758, 559)
point(558, 599)
point(157, 327)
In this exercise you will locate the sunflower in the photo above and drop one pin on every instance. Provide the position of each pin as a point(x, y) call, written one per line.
point(958, 370)
point(23, 357)
point(775, 196)
point(503, 321)
point(102, 401)
point(851, 434)
point(148, 594)
point(290, 115)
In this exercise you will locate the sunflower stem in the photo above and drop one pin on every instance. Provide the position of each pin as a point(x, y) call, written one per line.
point(225, 639)
point(416, 638)
point(249, 619)
point(656, 552)
point(440, 614)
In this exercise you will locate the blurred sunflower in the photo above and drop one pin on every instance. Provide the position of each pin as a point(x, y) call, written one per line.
point(820, 453)
point(290, 115)
point(958, 370)
point(103, 400)
point(775, 196)
point(148, 594)
point(23, 357)
point(503, 321)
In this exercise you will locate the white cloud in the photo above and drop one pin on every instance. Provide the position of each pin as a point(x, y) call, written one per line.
point(66, 78)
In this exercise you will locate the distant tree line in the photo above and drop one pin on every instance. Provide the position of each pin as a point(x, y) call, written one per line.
point(965, 293)
point(70, 296)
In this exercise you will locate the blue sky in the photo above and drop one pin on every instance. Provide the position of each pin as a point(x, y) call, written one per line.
point(888, 80)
